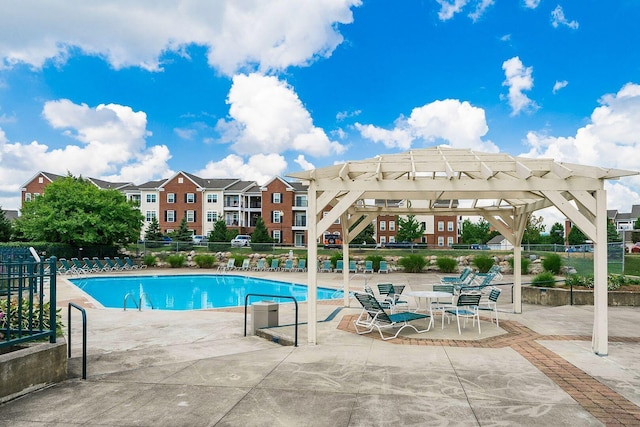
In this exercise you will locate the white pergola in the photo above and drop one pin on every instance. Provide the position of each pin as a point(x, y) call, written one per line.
point(505, 190)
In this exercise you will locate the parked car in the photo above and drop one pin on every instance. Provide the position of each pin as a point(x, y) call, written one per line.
point(332, 241)
point(399, 245)
point(199, 239)
point(635, 248)
point(241, 240)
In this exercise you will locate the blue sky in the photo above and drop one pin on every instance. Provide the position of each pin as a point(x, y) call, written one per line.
point(135, 91)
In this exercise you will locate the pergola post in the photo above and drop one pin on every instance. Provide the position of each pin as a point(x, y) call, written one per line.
point(345, 257)
point(600, 337)
point(312, 270)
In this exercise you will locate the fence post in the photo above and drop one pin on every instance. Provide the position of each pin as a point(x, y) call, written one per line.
point(53, 321)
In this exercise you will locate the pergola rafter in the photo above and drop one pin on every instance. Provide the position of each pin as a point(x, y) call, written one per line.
point(505, 190)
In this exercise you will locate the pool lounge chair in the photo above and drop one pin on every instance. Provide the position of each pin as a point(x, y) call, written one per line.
point(373, 317)
point(275, 265)
point(231, 265)
point(339, 266)
point(246, 265)
point(261, 265)
point(288, 265)
point(461, 278)
point(353, 267)
point(92, 265)
point(79, 266)
point(132, 264)
point(368, 267)
point(111, 263)
point(326, 266)
point(103, 266)
point(121, 264)
point(68, 268)
point(302, 265)
point(384, 267)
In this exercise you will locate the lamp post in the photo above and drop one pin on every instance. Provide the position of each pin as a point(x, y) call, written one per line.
point(281, 217)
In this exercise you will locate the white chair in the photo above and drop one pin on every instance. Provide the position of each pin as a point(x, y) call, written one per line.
point(466, 307)
point(491, 304)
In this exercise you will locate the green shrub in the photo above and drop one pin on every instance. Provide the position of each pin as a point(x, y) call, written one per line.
point(552, 263)
point(375, 260)
point(545, 279)
point(239, 259)
point(218, 247)
point(150, 260)
point(483, 263)
point(176, 261)
point(12, 316)
point(447, 264)
point(204, 261)
point(575, 280)
point(524, 264)
point(334, 259)
point(262, 247)
point(413, 263)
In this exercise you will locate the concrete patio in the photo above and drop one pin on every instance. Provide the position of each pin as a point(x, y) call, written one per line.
point(155, 368)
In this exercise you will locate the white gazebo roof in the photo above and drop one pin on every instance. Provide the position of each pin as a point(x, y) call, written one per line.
point(503, 189)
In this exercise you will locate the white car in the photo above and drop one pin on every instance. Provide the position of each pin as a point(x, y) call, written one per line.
point(241, 240)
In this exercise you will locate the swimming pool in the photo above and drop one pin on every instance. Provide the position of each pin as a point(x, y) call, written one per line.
point(189, 292)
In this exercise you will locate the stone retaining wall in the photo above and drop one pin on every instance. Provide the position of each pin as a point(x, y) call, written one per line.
point(558, 296)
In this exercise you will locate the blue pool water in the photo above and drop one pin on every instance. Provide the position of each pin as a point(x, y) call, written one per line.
point(189, 292)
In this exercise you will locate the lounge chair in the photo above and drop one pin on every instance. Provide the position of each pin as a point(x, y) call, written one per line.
point(275, 265)
point(353, 267)
point(68, 268)
point(461, 278)
point(339, 266)
point(121, 264)
point(132, 264)
point(79, 266)
point(491, 304)
point(92, 265)
point(246, 265)
point(288, 265)
point(231, 265)
point(373, 317)
point(384, 268)
point(484, 281)
point(466, 307)
point(326, 266)
point(391, 293)
point(368, 267)
point(302, 265)
point(112, 264)
point(260, 266)
point(101, 265)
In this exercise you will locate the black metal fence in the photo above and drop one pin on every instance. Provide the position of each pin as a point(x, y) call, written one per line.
point(25, 311)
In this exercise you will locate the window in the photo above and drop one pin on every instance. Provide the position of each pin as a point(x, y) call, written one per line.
point(300, 219)
point(150, 215)
point(392, 239)
point(40, 180)
point(450, 226)
point(275, 234)
point(440, 225)
point(301, 201)
point(449, 241)
point(191, 216)
point(383, 225)
point(190, 198)
point(171, 197)
point(27, 197)
point(212, 198)
point(35, 195)
point(180, 180)
point(171, 216)
point(277, 217)
point(212, 216)
point(151, 198)
point(440, 241)
point(276, 198)
point(392, 225)
point(383, 239)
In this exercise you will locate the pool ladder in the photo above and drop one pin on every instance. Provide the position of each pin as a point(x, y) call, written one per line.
point(143, 296)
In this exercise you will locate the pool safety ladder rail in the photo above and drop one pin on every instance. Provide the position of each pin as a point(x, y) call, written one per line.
point(84, 337)
point(143, 296)
point(295, 301)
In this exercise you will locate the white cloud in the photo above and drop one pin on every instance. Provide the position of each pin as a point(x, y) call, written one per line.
point(266, 116)
point(558, 18)
point(270, 35)
point(611, 139)
point(459, 124)
point(342, 115)
point(259, 168)
point(447, 9)
point(303, 163)
point(111, 146)
point(519, 79)
point(531, 4)
point(559, 85)
point(481, 7)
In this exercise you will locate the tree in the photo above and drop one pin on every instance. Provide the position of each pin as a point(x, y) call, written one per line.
point(612, 233)
point(409, 229)
point(365, 236)
point(153, 235)
point(219, 232)
point(635, 236)
point(5, 227)
point(183, 234)
point(260, 233)
point(576, 236)
point(556, 234)
point(533, 231)
point(76, 212)
point(473, 233)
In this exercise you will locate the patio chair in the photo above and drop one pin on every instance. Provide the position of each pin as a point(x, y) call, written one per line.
point(231, 265)
point(80, 266)
point(384, 268)
point(339, 266)
point(373, 317)
point(391, 294)
point(68, 268)
point(261, 265)
point(440, 303)
point(302, 265)
point(246, 264)
point(461, 278)
point(466, 307)
point(326, 266)
point(103, 266)
point(275, 265)
point(92, 266)
point(478, 284)
point(112, 264)
point(353, 267)
point(121, 264)
point(132, 265)
point(491, 304)
point(288, 265)
point(368, 267)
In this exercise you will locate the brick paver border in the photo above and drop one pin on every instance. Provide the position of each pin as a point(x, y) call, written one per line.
point(607, 405)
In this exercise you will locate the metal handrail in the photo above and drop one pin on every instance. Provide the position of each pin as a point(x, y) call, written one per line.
point(84, 337)
point(148, 298)
point(129, 295)
point(295, 301)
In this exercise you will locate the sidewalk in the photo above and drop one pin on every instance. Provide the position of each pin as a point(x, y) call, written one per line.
point(154, 368)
